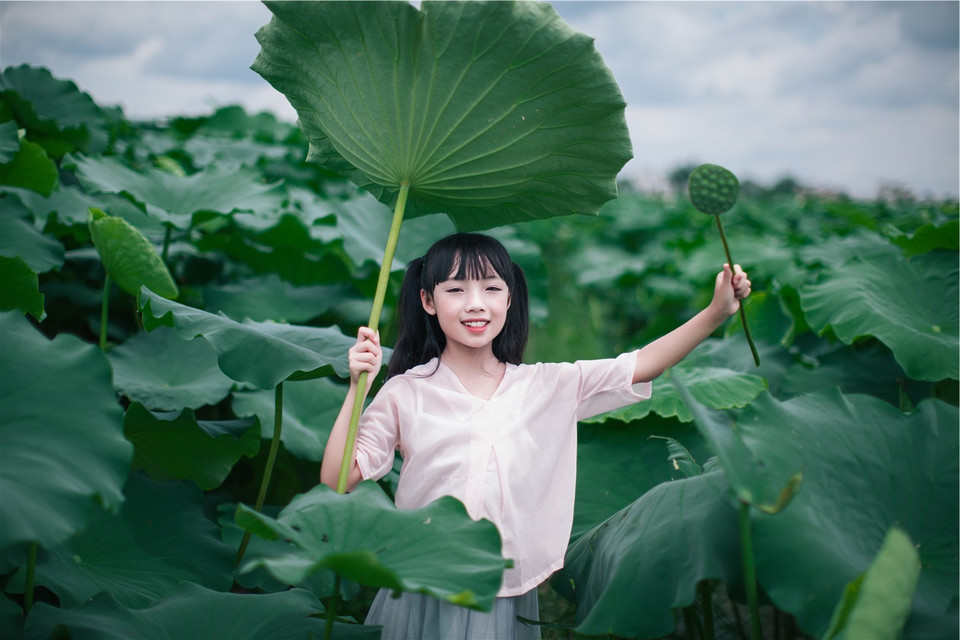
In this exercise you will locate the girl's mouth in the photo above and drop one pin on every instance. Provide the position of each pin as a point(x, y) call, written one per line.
point(476, 325)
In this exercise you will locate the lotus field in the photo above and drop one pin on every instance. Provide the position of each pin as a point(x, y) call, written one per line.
point(178, 297)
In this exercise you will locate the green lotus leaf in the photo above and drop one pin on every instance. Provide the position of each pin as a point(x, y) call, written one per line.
point(9, 141)
point(21, 288)
point(930, 237)
point(876, 604)
point(11, 617)
point(55, 113)
point(629, 574)
point(712, 386)
point(310, 408)
point(269, 297)
point(912, 306)
point(769, 488)
point(438, 549)
point(321, 583)
point(128, 257)
point(20, 238)
point(159, 539)
point(867, 467)
point(60, 461)
point(261, 353)
point(906, 473)
point(175, 199)
point(163, 372)
point(193, 612)
point(30, 168)
point(492, 112)
point(617, 463)
point(176, 446)
point(868, 368)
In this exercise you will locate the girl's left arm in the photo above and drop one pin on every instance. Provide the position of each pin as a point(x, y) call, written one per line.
point(730, 288)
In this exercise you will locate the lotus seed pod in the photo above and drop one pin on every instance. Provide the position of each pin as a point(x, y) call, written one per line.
point(713, 189)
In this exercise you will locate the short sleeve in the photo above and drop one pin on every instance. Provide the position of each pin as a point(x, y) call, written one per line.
point(608, 384)
point(378, 434)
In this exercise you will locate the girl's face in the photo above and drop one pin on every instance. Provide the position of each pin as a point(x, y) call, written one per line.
point(471, 312)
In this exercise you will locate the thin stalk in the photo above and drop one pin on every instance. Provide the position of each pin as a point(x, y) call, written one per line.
point(166, 243)
point(374, 323)
point(31, 573)
point(743, 314)
point(104, 310)
point(271, 460)
point(706, 597)
point(332, 609)
point(749, 571)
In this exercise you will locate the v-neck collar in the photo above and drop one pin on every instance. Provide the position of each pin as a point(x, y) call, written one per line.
point(462, 388)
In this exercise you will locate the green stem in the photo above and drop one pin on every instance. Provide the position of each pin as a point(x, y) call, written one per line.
point(749, 571)
point(31, 572)
point(166, 243)
point(373, 324)
point(104, 310)
point(271, 460)
point(332, 609)
point(743, 314)
point(706, 598)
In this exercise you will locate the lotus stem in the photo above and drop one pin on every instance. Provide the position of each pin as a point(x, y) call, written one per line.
point(166, 243)
point(30, 579)
point(271, 460)
point(749, 571)
point(743, 314)
point(374, 323)
point(706, 598)
point(104, 310)
point(332, 609)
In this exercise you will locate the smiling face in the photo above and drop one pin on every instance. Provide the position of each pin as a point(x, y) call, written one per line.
point(471, 312)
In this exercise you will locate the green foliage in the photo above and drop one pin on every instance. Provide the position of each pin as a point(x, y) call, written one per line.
point(491, 112)
point(134, 461)
point(363, 537)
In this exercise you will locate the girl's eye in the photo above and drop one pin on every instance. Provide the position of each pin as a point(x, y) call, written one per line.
point(494, 289)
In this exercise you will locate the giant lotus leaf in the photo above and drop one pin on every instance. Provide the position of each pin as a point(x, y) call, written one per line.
point(492, 112)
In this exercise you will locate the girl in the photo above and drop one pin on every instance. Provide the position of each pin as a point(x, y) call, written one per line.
point(472, 421)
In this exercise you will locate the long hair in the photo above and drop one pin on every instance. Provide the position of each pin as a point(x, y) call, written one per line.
point(419, 337)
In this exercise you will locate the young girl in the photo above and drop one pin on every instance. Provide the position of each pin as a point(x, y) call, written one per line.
point(472, 421)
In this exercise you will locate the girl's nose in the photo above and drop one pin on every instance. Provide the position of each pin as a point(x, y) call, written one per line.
point(475, 300)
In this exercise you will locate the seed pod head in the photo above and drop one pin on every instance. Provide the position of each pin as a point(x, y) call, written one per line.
point(713, 189)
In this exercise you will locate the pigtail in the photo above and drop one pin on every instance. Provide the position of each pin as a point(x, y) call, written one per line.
point(418, 334)
point(512, 341)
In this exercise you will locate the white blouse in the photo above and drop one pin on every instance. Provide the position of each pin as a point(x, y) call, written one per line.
point(511, 459)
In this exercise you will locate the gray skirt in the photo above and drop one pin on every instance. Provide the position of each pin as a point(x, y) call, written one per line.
point(414, 616)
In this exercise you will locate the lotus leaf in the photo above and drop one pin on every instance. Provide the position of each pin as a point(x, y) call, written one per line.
point(175, 445)
point(365, 538)
point(181, 374)
point(909, 305)
point(54, 112)
point(159, 539)
point(60, 461)
point(195, 613)
point(261, 353)
point(491, 112)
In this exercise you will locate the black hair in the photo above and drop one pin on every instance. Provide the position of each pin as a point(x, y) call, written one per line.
point(419, 337)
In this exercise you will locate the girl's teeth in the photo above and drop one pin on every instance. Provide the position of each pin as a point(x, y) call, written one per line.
point(475, 324)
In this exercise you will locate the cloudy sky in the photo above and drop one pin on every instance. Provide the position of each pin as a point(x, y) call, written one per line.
point(839, 95)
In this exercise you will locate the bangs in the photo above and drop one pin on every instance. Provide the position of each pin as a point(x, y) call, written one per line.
point(466, 257)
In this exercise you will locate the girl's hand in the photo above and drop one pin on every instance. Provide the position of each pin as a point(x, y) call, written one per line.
point(366, 355)
point(731, 287)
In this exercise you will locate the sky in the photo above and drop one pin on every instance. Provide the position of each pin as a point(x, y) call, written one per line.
point(843, 96)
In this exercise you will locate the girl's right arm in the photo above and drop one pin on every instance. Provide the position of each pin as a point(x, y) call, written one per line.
point(364, 356)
